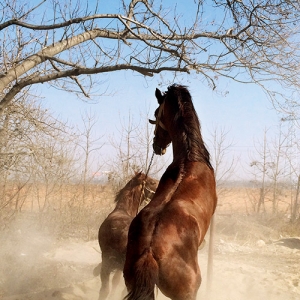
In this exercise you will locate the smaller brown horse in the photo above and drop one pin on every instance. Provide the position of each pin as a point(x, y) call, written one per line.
point(113, 231)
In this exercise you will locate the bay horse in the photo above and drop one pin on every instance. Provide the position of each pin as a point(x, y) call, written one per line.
point(164, 237)
point(112, 235)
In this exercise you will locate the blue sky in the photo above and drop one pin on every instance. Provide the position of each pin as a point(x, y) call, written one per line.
point(241, 109)
point(245, 111)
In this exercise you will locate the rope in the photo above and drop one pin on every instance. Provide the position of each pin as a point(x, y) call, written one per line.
point(151, 160)
point(144, 181)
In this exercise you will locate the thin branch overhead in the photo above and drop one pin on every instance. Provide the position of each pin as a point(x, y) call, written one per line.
point(246, 41)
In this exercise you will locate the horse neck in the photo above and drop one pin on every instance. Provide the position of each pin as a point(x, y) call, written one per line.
point(179, 149)
point(188, 145)
point(182, 149)
point(129, 200)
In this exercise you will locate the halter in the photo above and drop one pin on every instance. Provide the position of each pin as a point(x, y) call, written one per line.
point(158, 122)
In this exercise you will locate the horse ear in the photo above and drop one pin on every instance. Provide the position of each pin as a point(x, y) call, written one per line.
point(159, 96)
point(152, 122)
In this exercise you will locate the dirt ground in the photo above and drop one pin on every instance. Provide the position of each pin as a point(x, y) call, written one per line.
point(252, 261)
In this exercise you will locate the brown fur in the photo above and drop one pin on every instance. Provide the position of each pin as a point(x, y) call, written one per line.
point(113, 231)
point(169, 230)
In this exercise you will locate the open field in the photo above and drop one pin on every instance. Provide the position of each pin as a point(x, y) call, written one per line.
point(256, 256)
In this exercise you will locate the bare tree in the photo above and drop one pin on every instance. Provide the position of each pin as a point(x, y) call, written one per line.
point(221, 145)
point(260, 167)
point(51, 168)
point(296, 203)
point(292, 154)
point(33, 151)
point(277, 167)
point(133, 148)
point(125, 162)
point(90, 145)
point(247, 41)
point(89, 164)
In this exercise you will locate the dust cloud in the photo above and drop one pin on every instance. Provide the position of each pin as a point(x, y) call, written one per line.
point(21, 257)
point(36, 265)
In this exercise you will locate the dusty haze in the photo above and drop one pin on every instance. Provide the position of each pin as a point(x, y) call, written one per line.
point(252, 261)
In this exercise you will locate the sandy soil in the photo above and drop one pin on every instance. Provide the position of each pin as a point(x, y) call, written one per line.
point(38, 267)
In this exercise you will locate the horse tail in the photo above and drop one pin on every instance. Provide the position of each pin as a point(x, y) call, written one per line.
point(210, 255)
point(145, 275)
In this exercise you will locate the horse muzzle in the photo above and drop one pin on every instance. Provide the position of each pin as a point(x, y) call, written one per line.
point(158, 150)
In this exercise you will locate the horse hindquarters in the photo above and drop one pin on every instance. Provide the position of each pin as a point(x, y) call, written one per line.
point(141, 278)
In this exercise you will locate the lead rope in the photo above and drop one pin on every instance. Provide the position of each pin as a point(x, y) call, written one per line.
point(151, 160)
point(144, 181)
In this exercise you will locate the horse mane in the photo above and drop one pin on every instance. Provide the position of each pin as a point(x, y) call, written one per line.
point(187, 118)
point(130, 188)
point(122, 194)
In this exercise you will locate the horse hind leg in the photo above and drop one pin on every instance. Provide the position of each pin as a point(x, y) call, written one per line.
point(116, 278)
point(116, 282)
point(104, 276)
point(97, 270)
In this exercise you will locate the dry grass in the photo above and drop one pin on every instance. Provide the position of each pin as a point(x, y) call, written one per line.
point(77, 210)
point(69, 224)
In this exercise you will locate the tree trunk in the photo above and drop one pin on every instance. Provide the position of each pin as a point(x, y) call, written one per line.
point(295, 204)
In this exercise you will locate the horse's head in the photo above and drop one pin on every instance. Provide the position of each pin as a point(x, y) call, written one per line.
point(161, 138)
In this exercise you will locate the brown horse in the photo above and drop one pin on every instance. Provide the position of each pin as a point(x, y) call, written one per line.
point(113, 231)
point(164, 238)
